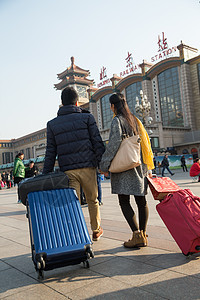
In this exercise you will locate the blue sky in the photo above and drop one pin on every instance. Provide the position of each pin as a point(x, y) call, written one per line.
point(39, 37)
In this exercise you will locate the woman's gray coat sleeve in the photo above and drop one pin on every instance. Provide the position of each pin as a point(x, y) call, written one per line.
point(113, 145)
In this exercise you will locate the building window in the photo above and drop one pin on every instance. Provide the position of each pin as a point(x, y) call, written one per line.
point(28, 153)
point(34, 138)
point(107, 114)
point(170, 98)
point(7, 157)
point(133, 91)
point(42, 135)
point(155, 142)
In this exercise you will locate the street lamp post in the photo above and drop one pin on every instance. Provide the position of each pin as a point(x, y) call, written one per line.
point(143, 110)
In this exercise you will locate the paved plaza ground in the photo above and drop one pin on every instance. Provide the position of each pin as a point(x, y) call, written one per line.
point(159, 271)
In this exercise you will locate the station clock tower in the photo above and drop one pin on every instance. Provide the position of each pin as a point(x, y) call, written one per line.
point(76, 77)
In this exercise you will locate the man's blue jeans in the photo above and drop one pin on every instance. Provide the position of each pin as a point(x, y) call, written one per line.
point(165, 167)
point(99, 187)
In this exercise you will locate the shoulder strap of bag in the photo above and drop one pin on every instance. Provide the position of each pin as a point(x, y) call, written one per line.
point(125, 132)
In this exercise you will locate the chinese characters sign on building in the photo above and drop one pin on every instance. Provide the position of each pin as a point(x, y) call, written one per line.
point(162, 44)
point(164, 51)
point(103, 78)
point(129, 60)
point(130, 66)
point(103, 73)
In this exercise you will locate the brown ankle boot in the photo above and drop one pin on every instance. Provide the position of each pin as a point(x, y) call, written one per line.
point(145, 238)
point(137, 240)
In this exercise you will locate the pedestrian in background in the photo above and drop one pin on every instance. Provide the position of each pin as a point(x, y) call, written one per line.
point(99, 188)
point(195, 168)
point(74, 137)
point(18, 171)
point(134, 181)
point(183, 164)
point(11, 177)
point(8, 180)
point(165, 165)
point(3, 177)
point(159, 168)
point(30, 171)
point(155, 165)
point(1, 182)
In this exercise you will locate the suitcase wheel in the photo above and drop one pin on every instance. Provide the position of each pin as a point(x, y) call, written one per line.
point(89, 252)
point(40, 264)
point(40, 274)
point(188, 254)
point(43, 263)
point(86, 264)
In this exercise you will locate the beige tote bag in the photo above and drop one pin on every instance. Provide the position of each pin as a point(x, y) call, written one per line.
point(127, 156)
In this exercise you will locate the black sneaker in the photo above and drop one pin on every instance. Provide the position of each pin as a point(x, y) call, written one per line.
point(173, 174)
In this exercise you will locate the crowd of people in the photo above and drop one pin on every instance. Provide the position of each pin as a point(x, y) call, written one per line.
point(6, 180)
point(19, 172)
point(73, 137)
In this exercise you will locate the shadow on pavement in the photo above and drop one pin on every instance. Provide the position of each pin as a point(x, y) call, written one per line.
point(13, 213)
point(184, 184)
point(181, 287)
point(7, 194)
point(19, 272)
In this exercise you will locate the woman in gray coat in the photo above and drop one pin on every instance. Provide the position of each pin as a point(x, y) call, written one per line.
point(131, 182)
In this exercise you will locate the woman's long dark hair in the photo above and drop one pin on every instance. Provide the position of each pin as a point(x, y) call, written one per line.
point(121, 108)
point(19, 154)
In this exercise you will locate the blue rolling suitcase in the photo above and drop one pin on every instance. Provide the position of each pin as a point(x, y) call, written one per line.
point(58, 232)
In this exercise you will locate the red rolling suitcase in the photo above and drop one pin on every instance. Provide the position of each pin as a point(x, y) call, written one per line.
point(180, 211)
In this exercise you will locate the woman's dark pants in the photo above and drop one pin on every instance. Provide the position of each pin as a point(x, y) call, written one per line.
point(129, 214)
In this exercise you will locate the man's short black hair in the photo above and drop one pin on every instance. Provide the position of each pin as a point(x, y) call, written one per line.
point(69, 96)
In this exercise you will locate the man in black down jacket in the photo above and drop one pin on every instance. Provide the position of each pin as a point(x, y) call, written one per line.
point(165, 165)
point(74, 137)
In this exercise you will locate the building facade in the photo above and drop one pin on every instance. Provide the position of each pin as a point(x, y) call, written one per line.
point(172, 86)
point(32, 145)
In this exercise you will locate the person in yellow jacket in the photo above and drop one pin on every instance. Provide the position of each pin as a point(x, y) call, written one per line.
point(133, 181)
point(19, 171)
